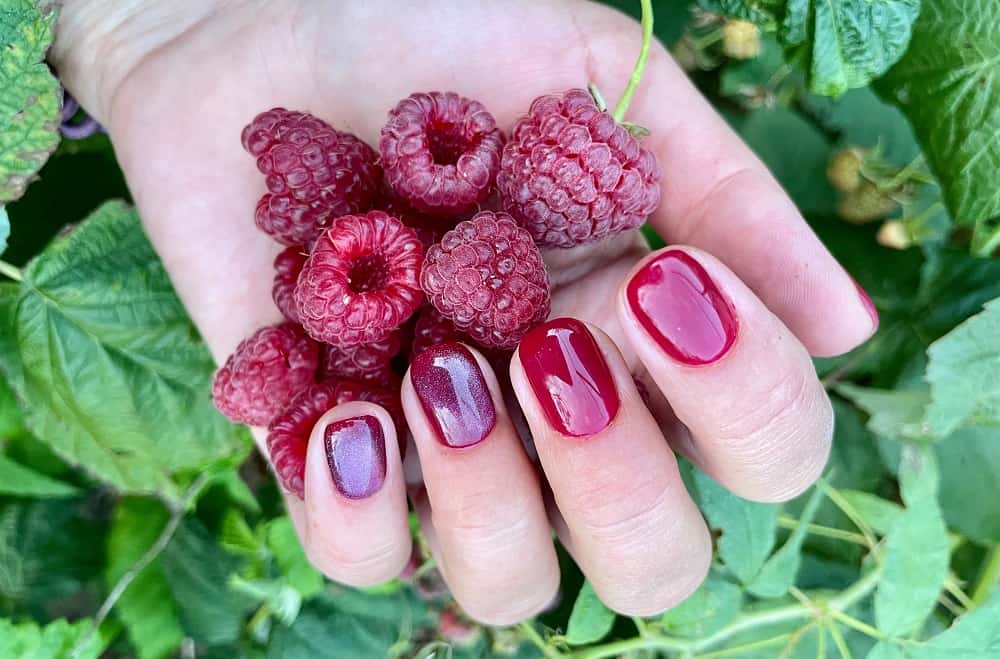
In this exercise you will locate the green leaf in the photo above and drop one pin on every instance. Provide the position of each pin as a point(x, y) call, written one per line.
point(590, 620)
point(147, 607)
point(111, 370)
point(948, 84)
point(886, 650)
point(974, 635)
point(879, 513)
point(893, 414)
point(29, 96)
point(56, 640)
point(237, 537)
point(710, 608)
point(855, 41)
point(4, 229)
point(283, 600)
point(11, 423)
point(51, 552)
point(798, 160)
point(18, 480)
point(284, 543)
point(748, 528)
point(353, 624)
point(970, 465)
point(198, 571)
point(964, 373)
point(916, 556)
point(778, 573)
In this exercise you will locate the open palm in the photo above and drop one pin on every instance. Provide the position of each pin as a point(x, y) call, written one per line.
point(175, 85)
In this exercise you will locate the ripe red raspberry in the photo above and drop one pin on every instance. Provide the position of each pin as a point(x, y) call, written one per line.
point(431, 329)
point(360, 281)
point(314, 174)
point(260, 378)
point(488, 278)
point(441, 152)
point(367, 363)
point(287, 266)
point(288, 434)
point(571, 175)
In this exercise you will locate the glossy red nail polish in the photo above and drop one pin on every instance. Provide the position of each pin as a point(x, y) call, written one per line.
point(571, 380)
point(867, 301)
point(454, 395)
point(682, 309)
point(355, 453)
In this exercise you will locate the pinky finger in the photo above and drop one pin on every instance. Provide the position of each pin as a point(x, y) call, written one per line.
point(356, 527)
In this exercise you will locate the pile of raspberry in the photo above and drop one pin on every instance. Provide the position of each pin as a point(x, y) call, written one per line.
point(433, 237)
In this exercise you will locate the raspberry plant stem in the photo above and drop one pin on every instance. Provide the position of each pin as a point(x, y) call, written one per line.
point(640, 64)
point(11, 271)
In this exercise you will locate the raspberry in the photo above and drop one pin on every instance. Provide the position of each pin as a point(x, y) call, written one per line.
point(314, 174)
point(740, 39)
point(488, 278)
point(287, 266)
point(367, 363)
point(361, 280)
point(571, 175)
point(431, 329)
point(441, 152)
point(262, 376)
point(288, 434)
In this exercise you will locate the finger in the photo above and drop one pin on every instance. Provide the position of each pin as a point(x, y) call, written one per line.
point(357, 526)
point(760, 421)
point(718, 196)
point(632, 527)
point(486, 508)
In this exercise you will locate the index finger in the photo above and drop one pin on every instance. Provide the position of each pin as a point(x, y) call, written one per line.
point(718, 196)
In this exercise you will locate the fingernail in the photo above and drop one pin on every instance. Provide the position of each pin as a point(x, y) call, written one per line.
point(869, 305)
point(679, 305)
point(355, 452)
point(454, 395)
point(571, 380)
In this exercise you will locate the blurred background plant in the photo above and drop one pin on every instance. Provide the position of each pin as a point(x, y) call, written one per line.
point(882, 120)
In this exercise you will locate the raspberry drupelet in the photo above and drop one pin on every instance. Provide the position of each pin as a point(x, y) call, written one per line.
point(314, 173)
point(264, 373)
point(570, 174)
point(361, 280)
point(488, 278)
point(441, 152)
point(287, 266)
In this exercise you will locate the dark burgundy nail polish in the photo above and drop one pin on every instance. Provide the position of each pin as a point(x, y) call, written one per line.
point(678, 304)
point(454, 394)
point(355, 452)
point(867, 301)
point(572, 382)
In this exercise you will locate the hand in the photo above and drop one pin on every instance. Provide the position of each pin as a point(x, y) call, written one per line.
point(746, 288)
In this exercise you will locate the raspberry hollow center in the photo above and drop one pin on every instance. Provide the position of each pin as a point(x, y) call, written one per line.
point(446, 142)
point(368, 273)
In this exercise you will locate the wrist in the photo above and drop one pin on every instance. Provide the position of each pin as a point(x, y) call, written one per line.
point(99, 43)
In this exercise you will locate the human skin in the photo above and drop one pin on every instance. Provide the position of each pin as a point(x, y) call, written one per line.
point(174, 83)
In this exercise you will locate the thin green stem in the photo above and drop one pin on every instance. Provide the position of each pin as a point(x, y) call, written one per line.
point(838, 640)
point(989, 575)
point(789, 522)
point(640, 64)
point(854, 623)
point(953, 589)
point(845, 506)
point(742, 649)
point(11, 271)
point(532, 634)
point(856, 592)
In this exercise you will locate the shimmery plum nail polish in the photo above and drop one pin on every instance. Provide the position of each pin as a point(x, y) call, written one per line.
point(571, 380)
point(454, 394)
point(682, 309)
point(355, 453)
